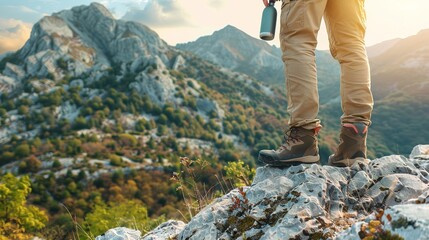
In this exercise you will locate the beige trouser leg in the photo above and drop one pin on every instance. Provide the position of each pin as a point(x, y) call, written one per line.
point(300, 23)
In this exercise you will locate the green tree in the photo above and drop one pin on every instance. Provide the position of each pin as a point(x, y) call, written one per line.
point(73, 146)
point(52, 99)
point(23, 110)
point(17, 219)
point(229, 155)
point(116, 160)
point(80, 123)
point(127, 140)
point(3, 113)
point(141, 125)
point(31, 164)
point(162, 119)
point(22, 151)
point(162, 130)
point(129, 214)
point(62, 64)
point(6, 157)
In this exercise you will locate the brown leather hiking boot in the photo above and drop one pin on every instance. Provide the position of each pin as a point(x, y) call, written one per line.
point(352, 146)
point(300, 147)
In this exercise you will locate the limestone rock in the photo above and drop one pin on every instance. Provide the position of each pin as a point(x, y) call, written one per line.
point(178, 62)
point(420, 152)
point(408, 221)
point(77, 83)
point(14, 71)
point(68, 111)
point(167, 230)
point(205, 105)
point(120, 233)
point(7, 84)
point(159, 88)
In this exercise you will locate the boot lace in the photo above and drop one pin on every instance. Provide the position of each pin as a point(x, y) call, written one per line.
point(290, 136)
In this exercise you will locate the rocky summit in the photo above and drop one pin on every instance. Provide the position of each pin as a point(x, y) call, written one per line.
point(82, 40)
point(387, 197)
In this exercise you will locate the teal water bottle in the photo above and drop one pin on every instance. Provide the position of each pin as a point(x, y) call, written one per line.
point(268, 23)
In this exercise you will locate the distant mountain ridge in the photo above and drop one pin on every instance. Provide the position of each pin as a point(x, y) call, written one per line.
point(380, 48)
point(404, 67)
point(233, 49)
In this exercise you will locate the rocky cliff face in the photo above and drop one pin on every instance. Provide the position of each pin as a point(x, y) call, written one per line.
point(83, 40)
point(318, 202)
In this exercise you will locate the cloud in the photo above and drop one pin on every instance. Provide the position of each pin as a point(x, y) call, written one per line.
point(178, 21)
point(21, 12)
point(160, 13)
point(216, 3)
point(13, 34)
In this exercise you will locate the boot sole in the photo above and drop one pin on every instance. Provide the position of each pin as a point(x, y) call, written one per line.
point(291, 162)
point(346, 162)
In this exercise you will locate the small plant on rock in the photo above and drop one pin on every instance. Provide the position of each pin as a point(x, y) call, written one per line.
point(195, 195)
point(375, 229)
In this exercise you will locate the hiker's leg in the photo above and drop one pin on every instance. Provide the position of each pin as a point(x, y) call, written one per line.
point(345, 21)
point(300, 23)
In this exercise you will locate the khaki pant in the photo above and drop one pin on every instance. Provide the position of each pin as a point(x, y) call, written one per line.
point(345, 21)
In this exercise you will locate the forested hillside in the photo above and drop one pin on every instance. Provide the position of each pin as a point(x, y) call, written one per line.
point(104, 116)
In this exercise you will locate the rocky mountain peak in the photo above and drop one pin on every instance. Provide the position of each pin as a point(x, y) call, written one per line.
point(236, 50)
point(87, 39)
point(98, 8)
point(94, 9)
point(229, 32)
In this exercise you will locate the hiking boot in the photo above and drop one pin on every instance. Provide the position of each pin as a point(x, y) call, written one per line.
point(352, 146)
point(300, 146)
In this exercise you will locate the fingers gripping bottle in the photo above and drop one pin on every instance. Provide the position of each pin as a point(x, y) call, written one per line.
point(268, 23)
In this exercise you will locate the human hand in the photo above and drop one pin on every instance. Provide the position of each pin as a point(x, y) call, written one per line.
point(265, 3)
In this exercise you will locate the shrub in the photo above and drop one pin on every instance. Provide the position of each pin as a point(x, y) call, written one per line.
point(241, 175)
point(62, 64)
point(115, 160)
point(6, 157)
point(22, 151)
point(127, 140)
point(129, 214)
point(31, 164)
point(17, 219)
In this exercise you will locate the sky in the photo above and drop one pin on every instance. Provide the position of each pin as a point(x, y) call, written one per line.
point(178, 21)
